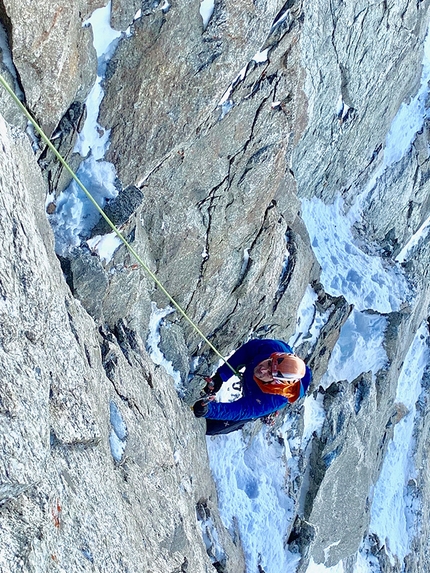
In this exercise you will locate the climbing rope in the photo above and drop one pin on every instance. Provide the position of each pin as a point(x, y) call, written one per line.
point(110, 223)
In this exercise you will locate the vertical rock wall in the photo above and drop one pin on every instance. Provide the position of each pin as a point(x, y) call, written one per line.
point(102, 465)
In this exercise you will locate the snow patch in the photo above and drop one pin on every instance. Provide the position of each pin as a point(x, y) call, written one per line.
point(410, 117)
point(93, 136)
point(75, 214)
point(310, 320)
point(154, 339)
point(261, 57)
point(342, 109)
point(206, 10)
point(393, 517)
point(250, 483)
point(358, 349)
point(417, 238)
point(104, 246)
point(321, 568)
point(210, 536)
point(313, 418)
point(365, 281)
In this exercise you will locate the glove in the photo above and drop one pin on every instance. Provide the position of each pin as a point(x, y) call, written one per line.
point(213, 384)
point(200, 408)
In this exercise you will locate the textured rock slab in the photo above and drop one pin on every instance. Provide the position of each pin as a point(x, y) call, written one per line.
point(52, 52)
point(352, 53)
point(219, 199)
point(173, 73)
point(95, 471)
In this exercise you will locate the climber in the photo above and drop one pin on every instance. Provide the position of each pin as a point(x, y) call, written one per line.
point(273, 377)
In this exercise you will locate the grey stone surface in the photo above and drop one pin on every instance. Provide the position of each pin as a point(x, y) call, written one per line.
point(119, 209)
point(103, 467)
point(52, 53)
point(220, 191)
point(70, 399)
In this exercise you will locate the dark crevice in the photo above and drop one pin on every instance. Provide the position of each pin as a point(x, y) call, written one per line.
point(129, 401)
point(245, 271)
point(221, 326)
point(287, 271)
point(6, 22)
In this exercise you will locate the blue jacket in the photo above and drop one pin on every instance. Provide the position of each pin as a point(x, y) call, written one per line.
point(254, 403)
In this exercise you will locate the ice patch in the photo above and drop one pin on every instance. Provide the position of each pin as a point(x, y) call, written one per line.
point(154, 339)
point(118, 434)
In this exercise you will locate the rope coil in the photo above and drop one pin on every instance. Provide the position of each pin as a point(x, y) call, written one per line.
point(60, 158)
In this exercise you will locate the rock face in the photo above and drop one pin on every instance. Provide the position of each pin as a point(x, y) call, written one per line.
point(218, 129)
point(51, 37)
point(102, 466)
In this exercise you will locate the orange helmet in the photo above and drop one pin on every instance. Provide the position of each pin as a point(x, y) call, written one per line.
point(287, 366)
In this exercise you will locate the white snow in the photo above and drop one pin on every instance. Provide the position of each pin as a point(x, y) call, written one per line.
point(103, 34)
point(206, 10)
point(342, 109)
point(320, 568)
point(391, 503)
point(365, 281)
point(226, 103)
point(211, 539)
point(154, 339)
point(104, 246)
point(250, 482)
point(415, 240)
point(75, 215)
point(410, 117)
point(93, 136)
point(313, 418)
point(261, 56)
point(310, 320)
point(359, 348)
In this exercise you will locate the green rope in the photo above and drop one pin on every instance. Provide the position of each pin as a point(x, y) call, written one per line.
point(109, 222)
